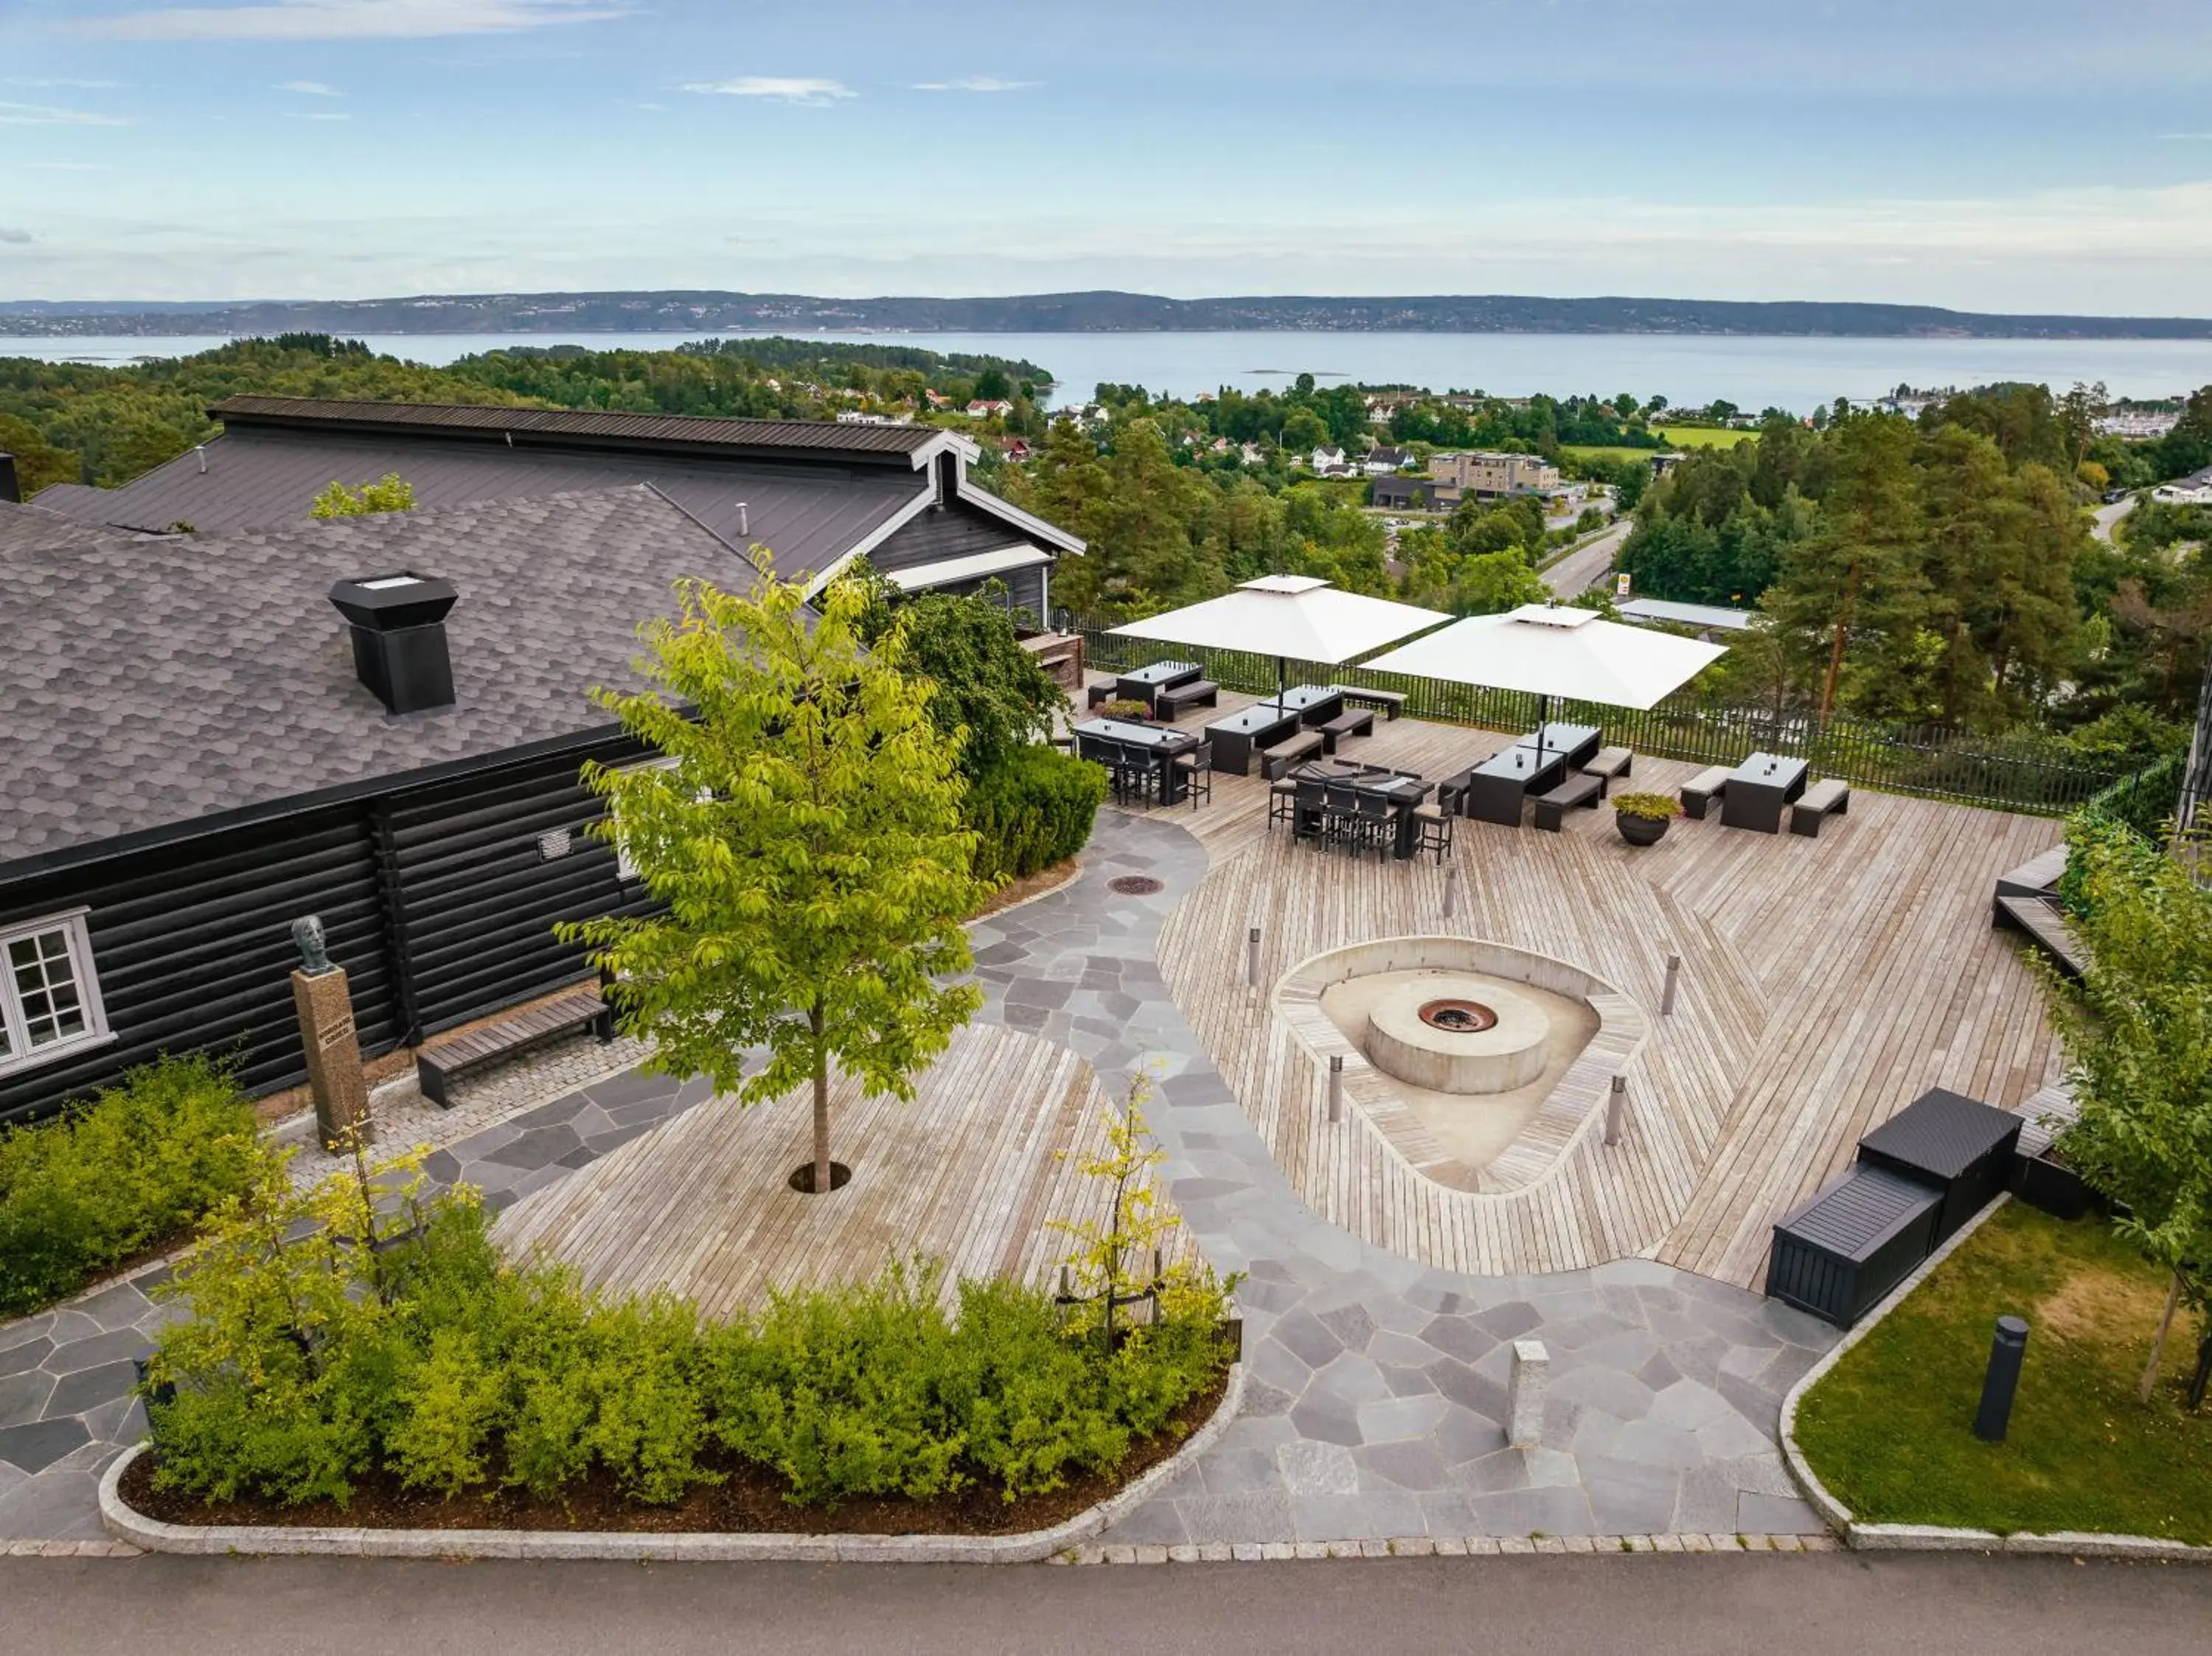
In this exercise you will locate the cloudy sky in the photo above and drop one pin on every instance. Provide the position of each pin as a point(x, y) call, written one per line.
point(1992, 155)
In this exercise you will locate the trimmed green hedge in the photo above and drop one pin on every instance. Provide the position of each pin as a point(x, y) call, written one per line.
point(1033, 809)
point(311, 1364)
point(142, 1163)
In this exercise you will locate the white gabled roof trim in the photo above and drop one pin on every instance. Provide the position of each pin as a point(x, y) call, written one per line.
point(977, 565)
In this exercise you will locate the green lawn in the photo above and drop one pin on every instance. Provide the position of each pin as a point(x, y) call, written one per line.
point(1596, 452)
point(1888, 1430)
point(1704, 436)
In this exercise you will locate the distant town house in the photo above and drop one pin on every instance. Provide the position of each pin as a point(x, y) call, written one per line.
point(983, 409)
point(1381, 460)
point(1489, 477)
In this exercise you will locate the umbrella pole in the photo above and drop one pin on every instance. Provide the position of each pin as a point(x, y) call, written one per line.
point(1282, 681)
point(1543, 717)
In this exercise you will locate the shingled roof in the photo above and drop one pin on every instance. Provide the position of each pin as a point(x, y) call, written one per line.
point(159, 684)
point(895, 444)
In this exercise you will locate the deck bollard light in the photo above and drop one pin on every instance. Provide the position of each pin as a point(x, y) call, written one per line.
point(1451, 890)
point(1616, 1108)
point(1252, 957)
point(2002, 1380)
point(1336, 1087)
point(1667, 995)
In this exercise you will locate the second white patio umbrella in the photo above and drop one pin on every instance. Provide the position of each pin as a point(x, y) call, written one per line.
point(1290, 617)
point(1546, 651)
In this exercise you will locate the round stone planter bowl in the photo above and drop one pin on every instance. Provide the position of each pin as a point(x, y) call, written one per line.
point(1641, 830)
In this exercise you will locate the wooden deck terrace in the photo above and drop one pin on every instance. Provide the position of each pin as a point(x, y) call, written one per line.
point(970, 1173)
point(1824, 984)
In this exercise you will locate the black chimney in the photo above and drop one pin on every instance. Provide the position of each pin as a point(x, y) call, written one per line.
point(399, 625)
point(11, 487)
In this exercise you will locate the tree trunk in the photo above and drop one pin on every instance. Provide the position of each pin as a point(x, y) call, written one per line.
point(820, 1101)
point(2158, 1344)
point(1842, 632)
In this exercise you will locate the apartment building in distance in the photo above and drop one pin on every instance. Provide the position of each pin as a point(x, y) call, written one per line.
point(1494, 476)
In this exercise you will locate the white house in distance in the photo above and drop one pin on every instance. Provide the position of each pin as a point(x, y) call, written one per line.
point(1382, 460)
point(1330, 463)
point(2195, 489)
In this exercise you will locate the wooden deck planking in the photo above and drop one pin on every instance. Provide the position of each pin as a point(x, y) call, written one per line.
point(1825, 984)
point(970, 1173)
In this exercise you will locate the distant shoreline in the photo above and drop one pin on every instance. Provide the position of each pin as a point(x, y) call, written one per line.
point(707, 314)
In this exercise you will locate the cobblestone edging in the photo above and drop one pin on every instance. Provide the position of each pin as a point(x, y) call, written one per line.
point(139, 1532)
point(1935, 1537)
point(1430, 1546)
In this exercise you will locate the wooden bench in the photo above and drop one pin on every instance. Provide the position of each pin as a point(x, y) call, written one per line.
point(1612, 763)
point(1584, 788)
point(2043, 919)
point(1829, 797)
point(1701, 790)
point(1353, 721)
point(1392, 702)
point(1168, 704)
point(1290, 750)
point(445, 1058)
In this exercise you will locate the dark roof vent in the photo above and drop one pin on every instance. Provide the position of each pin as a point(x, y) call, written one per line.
point(399, 626)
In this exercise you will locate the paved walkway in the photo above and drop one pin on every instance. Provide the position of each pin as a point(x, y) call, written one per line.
point(1377, 1385)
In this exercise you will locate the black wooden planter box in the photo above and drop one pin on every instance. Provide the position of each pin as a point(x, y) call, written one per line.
point(1959, 1148)
point(1840, 1254)
point(2051, 1186)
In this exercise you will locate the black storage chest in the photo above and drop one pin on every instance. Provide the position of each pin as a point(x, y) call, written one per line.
point(1948, 1142)
point(1840, 1252)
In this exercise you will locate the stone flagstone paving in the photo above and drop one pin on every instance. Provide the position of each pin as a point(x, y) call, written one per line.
point(1377, 1385)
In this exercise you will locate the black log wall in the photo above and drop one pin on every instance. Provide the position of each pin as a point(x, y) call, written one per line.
point(437, 901)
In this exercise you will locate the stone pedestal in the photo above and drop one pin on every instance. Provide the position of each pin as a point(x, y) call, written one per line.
point(341, 1093)
point(1524, 1394)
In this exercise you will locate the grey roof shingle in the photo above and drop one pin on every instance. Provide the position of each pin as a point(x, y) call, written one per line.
point(807, 514)
point(701, 432)
point(31, 529)
point(149, 683)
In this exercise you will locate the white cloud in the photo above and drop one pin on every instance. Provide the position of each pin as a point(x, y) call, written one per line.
point(309, 88)
point(974, 83)
point(784, 89)
point(14, 237)
point(13, 114)
point(316, 115)
point(352, 20)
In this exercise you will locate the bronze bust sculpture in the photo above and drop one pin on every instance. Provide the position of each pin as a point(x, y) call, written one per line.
point(314, 954)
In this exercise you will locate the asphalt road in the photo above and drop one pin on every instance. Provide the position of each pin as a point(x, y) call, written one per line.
point(1649, 1606)
point(1582, 568)
point(2105, 517)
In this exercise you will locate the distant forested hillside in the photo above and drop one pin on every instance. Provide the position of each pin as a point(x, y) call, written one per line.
point(570, 314)
point(67, 422)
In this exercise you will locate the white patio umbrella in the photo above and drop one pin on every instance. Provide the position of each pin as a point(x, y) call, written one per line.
point(1547, 650)
point(1290, 617)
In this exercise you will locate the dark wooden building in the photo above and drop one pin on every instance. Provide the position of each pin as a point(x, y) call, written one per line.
point(200, 745)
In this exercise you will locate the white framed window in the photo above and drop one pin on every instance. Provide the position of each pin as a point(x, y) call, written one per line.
point(49, 994)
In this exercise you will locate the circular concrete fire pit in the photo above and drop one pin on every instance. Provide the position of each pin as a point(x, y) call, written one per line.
point(1454, 1035)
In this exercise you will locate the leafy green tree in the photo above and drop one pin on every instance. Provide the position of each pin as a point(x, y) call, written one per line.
point(39, 463)
point(1859, 580)
point(1490, 583)
point(1303, 430)
point(2138, 1034)
point(806, 846)
point(992, 385)
point(390, 493)
point(985, 690)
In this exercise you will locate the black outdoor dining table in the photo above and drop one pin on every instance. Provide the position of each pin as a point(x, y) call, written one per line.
point(1759, 788)
point(1403, 792)
point(1161, 744)
point(1241, 735)
point(1578, 741)
point(1497, 787)
point(1314, 703)
point(1143, 684)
